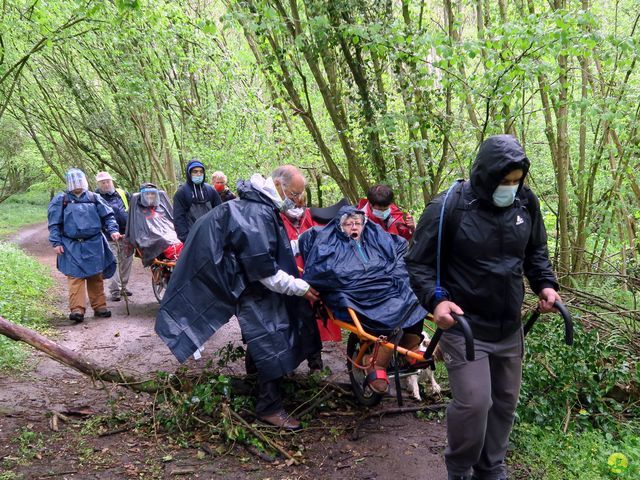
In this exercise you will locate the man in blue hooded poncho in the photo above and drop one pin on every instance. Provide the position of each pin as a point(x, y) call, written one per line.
point(355, 263)
point(238, 260)
point(77, 218)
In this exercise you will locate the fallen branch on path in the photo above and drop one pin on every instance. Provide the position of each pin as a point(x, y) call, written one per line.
point(113, 375)
point(271, 442)
point(70, 358)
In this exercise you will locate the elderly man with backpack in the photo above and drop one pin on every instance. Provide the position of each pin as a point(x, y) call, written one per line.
point(77, 218)
point(118, 199)
point(470, 251)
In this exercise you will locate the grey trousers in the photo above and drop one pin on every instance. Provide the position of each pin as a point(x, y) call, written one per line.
point(116, 284)
point(485, 395)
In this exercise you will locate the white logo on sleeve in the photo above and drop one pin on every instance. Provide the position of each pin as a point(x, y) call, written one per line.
point(519, 220)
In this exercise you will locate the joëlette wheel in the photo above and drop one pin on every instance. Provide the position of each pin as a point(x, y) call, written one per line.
point(158, 283)
point(365, 396)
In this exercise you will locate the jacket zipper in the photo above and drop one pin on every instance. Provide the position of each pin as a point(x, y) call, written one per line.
point(504, 280)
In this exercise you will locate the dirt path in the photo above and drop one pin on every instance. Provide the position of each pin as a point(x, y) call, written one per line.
point(395, 446)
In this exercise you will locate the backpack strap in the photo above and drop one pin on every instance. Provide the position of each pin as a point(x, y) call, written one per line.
point(457, 186)
point(66, 199)
point(524, 197)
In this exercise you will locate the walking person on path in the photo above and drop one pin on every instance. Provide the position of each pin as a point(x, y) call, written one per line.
point(492, 234)
point(76, 219)
point(193, 199)
point(119, 200)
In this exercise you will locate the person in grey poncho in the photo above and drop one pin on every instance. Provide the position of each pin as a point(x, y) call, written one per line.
point(150, 226)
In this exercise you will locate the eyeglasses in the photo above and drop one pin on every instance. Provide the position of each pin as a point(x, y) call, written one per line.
point(294, 195)
point(352, 224)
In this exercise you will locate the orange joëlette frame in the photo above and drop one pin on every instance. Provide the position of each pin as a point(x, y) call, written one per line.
point(157, 261)
point(356, 328)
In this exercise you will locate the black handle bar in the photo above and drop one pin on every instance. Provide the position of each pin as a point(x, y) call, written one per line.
point(566, 316)
point(462, 325)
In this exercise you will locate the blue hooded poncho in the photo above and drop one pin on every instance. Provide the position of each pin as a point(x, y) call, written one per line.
point(375, 285)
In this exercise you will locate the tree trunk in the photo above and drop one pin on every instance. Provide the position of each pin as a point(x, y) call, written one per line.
point(68, 357)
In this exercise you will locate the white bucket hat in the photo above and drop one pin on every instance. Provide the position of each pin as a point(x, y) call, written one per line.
point(103, 176)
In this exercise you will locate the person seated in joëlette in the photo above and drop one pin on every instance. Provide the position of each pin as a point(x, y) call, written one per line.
point(353, 263)
point(150, 228)
point(380, 209)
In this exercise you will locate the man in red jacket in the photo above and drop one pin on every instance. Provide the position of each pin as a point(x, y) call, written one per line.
point(380, 209)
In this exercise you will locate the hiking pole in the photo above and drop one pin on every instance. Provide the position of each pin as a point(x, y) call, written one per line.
point(123, 290)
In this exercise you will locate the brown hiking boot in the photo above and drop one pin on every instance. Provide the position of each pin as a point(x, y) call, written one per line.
point(281, 419)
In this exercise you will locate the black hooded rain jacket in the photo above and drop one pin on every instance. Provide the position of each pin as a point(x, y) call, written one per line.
point(484, 256)
point(191, 201)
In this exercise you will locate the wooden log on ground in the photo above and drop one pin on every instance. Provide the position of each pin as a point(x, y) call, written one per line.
point(72, 359)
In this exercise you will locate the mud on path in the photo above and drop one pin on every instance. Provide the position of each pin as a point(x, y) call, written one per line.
point(389, 446)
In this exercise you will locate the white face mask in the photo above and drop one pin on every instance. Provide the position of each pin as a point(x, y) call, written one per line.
point(504, 195)
point(294, 213)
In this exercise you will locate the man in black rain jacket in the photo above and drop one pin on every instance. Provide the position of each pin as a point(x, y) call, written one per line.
point(493, 234)
point(193, 199)
point(238, 260)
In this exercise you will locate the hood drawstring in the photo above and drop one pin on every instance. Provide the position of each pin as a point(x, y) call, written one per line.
point(194, 193)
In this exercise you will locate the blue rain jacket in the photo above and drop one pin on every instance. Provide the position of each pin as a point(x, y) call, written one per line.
point(77, 226)
point(369, 277)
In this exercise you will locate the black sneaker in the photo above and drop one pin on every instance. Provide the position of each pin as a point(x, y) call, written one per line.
point(76, 317)
point(128, 293)
point(115, 297)
point(102, 313)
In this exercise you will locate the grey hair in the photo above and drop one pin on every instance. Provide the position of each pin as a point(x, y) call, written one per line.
point(347, 216)
point(219, 174)
point(284, 174)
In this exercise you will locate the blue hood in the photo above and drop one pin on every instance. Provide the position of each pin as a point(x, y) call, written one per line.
point(193, 164)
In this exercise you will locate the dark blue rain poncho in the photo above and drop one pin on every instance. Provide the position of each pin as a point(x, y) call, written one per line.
point(228, 250)
point(378, 289)
point(76, 223)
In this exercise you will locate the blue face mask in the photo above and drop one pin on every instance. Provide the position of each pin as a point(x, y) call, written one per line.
point(197, 179)
point(504, 195)
point(381, 214)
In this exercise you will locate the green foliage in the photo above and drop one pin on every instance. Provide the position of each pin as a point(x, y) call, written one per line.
point(20, 162)
point(23, 209)
point(23, 290)
point(30, 443)
point(229, 353)
point(571, 417)
point(549, 454)
point(573, 385)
